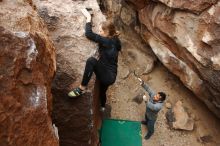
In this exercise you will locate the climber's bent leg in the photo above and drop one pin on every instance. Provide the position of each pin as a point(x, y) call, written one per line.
point(89, 69)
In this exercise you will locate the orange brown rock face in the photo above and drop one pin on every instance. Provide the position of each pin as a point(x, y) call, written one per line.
point(27, 63)
point(26, 73)
point(137, 4)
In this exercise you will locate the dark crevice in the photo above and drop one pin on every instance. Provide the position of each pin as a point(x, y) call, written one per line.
point(71, 116)
point(103, 6)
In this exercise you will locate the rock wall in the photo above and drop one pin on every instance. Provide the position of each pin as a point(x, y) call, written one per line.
point(184, 35)
point(27, 61)
point(137, 55)
point(76, 119)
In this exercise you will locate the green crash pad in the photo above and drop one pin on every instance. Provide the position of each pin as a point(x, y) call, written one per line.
point(120, 133)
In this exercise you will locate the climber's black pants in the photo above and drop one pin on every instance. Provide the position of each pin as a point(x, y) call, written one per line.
point(105, 76)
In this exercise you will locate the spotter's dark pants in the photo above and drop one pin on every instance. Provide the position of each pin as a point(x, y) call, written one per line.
point(150, 126)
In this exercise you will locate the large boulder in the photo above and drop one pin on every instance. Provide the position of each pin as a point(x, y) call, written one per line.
point(178, 118)
point(76, 119)
point(27, 61)
point(186, 43)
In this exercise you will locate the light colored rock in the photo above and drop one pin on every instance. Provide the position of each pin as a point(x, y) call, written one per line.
point(182, 119)
point(137, 60)
point(190, 5)
point(168, 105)
point(127, 15)
point(193, 116)
point(124, 71)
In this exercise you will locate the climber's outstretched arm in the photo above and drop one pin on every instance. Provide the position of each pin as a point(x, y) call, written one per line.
point(89, 33)
point(148, 89)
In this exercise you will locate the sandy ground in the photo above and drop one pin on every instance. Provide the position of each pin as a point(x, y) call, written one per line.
point(120, 97)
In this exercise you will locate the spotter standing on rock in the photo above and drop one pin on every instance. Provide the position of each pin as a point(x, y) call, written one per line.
point(105, 67)
point(154, 105)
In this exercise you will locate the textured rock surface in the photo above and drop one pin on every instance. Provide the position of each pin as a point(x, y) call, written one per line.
point(186, 43)
point(182, 119)
point(195, 6)
point(27, 61)
point(137, 4)
point(178, 118)
point(137, 56)
point(73, 117)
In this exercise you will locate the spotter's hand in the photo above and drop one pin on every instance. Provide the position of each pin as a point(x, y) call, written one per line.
point(144, 97)
point(141, 81)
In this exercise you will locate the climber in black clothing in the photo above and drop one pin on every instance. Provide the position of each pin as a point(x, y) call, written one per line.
point(105, 67)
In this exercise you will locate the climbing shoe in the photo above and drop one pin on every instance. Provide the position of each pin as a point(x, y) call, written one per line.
point(76, 92)
point(147, 137)
point(144, 122)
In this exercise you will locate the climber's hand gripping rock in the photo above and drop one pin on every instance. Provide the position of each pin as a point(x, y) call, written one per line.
point(86, 14)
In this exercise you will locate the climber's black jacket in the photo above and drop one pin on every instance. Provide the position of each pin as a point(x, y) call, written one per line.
point(108, 48)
